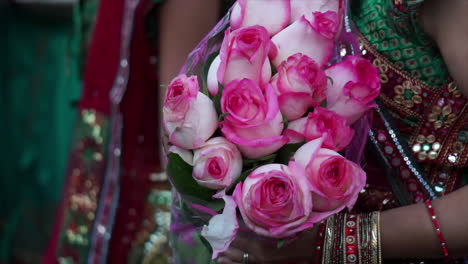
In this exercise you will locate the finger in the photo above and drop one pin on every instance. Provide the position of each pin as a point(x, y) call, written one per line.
point(225, 260)
point(234, 254)
point(237, 256)
point(243, 241)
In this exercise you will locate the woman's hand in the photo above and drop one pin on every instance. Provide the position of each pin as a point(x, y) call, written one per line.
point(265, 250)
point(446, 21)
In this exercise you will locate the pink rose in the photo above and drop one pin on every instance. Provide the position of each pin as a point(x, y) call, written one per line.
point(306, 8)
point(314, 38)
point(275, 200)
point(217, 164)
point(300, 84)
point(335, 181)
point(253, 121)
point(321, 123)
point(355, 84)
point(189, 116)
point(244, 54)
point(326, 24)
point(274, 15)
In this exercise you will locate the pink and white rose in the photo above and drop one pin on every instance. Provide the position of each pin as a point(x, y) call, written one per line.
point(217, 164)
point(274, 15)
point(335, 181)
point(253, 121)
point(189, 116)
point(300, 84)
point(275, 200)
point(244, 54)
point(307, 8)
point(314, 38)
point(322, 123)
point(356, 82)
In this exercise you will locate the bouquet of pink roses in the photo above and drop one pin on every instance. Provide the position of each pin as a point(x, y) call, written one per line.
point(258, 117)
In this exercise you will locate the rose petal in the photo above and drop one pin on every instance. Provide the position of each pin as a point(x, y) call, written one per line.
point(254, 148)
point(222, 229)
point(306, 8)
point(307, 41)
point(274, 15)
point(186, 155)
point(294, 105)
point(350, 109)
point(307, 152)
point(200, 122)
point(212, 78)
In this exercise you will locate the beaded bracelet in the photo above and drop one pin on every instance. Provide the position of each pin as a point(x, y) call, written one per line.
point(435, 222)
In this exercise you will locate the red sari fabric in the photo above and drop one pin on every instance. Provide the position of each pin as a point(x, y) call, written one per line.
point(139, 138)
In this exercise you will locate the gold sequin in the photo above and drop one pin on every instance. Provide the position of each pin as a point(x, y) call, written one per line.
point(97, 156)
point(90, 216)
point(417, 99)
point(384, 78)
point(89, 116)
point(452, 87)
point(421, 139)
point(430, 139)
point(433, 155)
point(399, 89)
point(422, 156)
point(447, 110)
point(416, 89)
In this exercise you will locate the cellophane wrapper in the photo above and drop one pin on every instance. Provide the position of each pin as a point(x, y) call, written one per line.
point(188, 246)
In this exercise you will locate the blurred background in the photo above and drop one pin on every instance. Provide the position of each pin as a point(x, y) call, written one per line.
point(81, 177)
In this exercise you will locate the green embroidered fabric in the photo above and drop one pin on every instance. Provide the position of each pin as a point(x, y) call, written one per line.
point(374, 19)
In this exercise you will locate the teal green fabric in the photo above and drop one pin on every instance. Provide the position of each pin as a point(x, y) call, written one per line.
point(39, 85)
point(373, 19)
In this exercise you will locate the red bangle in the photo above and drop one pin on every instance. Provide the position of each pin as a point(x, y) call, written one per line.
point(435, 222)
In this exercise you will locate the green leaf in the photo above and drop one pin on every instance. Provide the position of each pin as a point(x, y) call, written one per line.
point(263, 160)
point(286, 152)
point(285, 121)
point(181, 176)
point(242, 177)
point(222, 116)
point(206, 69)
point(280, 243)
point(330, 79)
point(273, 70)
point(217, 99)
point(216, 205)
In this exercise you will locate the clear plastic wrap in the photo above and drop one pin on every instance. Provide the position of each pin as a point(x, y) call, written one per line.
point(189, 217)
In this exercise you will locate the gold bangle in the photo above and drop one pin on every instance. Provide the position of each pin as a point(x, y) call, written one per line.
point(375, 242)
point(328, 240)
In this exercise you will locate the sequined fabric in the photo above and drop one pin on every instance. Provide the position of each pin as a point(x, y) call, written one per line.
point(417, 142)
point(421, 107)
point(84, 184)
